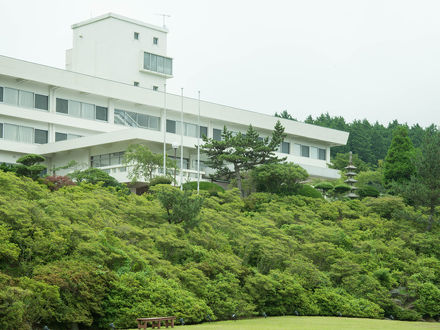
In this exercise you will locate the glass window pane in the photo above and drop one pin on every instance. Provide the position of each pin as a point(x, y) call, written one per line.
point(101, 113)
point(285, 147)
point(95, 161)
point(40, 136)
point(142, 120)
point(10, 132)
point(60, 136)
point(1, 131)
point(105, 160)
point(190, 130)
point(217, 134)
point(131, 119)
point(153, 62)
point(147, 61)
point(171, 126)
point(314, 152)
point(73, 136)
point(120, 117)
point(62, 106)
point(297, 149)
point(154, 123)
point(10, 96)
point(305, 151)
point(168, 66)
point(74, 108)
point(1, 94)
point(87, 111)
point(203, 131)
point(41, 102)
point(26, 99)
point(115, 159)
point(322, 154)
point(160, 67)
point(26, 134)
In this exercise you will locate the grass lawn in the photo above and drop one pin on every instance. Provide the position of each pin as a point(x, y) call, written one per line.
point(312, 323)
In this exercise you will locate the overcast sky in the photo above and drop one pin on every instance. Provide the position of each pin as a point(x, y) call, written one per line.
point(378, 60)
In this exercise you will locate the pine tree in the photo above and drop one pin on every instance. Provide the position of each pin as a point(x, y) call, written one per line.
point(399, 162)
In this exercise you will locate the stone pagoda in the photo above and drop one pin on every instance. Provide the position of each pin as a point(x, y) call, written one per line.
point(350, 173)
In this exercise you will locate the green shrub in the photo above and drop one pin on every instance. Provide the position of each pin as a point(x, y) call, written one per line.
point(325, 186)
point(160, 180)
point(341, 188)
point(368, 191)
point(309, 191)
point(210, 187)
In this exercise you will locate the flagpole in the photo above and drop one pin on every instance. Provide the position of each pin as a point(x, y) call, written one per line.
point(164, 126)
point(198, 147)
point(181, 141)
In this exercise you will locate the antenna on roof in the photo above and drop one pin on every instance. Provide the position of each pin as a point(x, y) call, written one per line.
point(164, 16)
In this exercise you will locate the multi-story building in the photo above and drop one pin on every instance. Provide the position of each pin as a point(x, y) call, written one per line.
point(112, 94)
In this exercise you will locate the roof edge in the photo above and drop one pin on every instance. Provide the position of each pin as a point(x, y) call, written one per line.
point(121, 18)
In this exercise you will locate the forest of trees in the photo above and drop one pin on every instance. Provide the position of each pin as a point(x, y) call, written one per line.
point(370, 141)
point(83, 252)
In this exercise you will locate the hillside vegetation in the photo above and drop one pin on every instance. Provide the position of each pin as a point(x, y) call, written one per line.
point(89, 256)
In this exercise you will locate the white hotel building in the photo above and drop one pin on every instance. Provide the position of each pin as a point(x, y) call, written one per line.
point(111, 95)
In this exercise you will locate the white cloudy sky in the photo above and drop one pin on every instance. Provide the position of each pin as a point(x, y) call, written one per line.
point(371, 59)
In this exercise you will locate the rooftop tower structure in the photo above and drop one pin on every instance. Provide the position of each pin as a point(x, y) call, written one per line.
point(118, 48)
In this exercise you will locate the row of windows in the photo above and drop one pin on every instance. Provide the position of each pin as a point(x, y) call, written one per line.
point(188, 128)
point(134, 119)
point(81, 109)
point(65, 136)
point(23, 134)
point(115, 158)
point(23, 99)
point(137, 34)
point(307, 151)
point(158, 63)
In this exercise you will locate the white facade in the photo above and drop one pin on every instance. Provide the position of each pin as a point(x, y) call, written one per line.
point(92, 111)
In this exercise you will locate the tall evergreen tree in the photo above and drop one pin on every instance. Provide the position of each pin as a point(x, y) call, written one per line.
point(424, 187)
point(398, 165)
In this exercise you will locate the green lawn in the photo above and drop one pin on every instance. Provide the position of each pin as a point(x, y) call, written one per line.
point(312, 323)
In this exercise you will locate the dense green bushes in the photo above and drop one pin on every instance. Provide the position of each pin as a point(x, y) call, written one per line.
point(91, 255)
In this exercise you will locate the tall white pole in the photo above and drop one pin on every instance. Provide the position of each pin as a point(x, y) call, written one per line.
point(164, 127)
point(198, 147)
point(181, 141)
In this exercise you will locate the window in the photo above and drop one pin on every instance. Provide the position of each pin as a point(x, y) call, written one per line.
point(134, 119)
point(177, 160)
point(40, 136)
point(41, 102)
point(314, 152)
point(158, 63)
point(217, 134)
point(155, 88)
point(81, 110)
point(62, 106)
point(1, 94)
point(22, 134)
point(26, 99)
point(305, 151)
point(190, 130)
point(285, 147)
point(136, 35)
point(322, 154)
point(101, 113)
point(155, 41)
point(171, 126)
point(203, 131)
point(65, 136)
point(60, 136)
point(10, 96)
point(115, 158)
point(136, 83)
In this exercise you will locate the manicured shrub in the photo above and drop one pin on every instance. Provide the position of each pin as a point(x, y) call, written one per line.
point(160, 180)
point(55, 182)
point(210, 187)
point(308, 191)
point(368, 191)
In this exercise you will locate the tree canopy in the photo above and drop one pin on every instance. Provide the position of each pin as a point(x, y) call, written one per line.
point(240, 152)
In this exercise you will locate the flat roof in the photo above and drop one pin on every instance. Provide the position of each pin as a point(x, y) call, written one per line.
point(121, 18)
